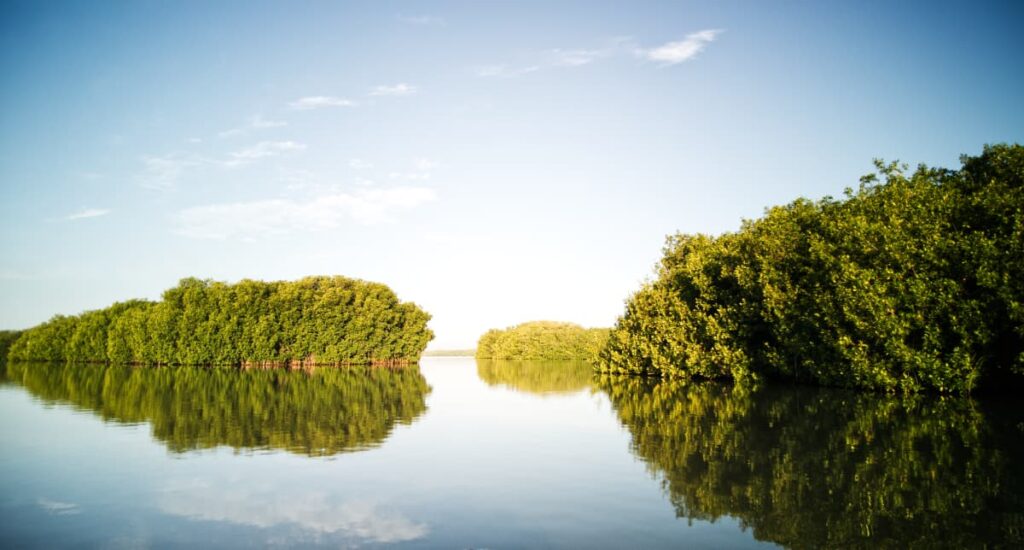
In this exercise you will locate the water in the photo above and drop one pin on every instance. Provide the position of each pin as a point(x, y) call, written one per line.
point(495, 455)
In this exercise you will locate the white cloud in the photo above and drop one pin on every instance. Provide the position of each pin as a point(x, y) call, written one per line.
point(261, 150)
point(396, 90)
point(250, 220)
point(256, 122)
point(421, 170)
point(88, 213)
point(163, 172)
point(320, 101)
point(423, 20)
point(683, 50)
point(357, 164)
point(504, 71)
point(576, 58)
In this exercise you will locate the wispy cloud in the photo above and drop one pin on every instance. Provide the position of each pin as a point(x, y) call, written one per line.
point(357, 164)
point(670, 53)
point(256, 219)
point(682, 50)
point(504, 71)
point(261, 150)
point(421, 170)
point(576, 58)
point(162, 172)
point(87, 213)
point(256, 122)
point(423, 20)
point(319, 102)
point(396, 90)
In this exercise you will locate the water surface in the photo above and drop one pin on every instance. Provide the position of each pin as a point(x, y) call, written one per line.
point(497, 455)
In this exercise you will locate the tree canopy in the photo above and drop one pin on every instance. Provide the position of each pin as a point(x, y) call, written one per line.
point(316, 320)
point(911, 282)
point(549, 340)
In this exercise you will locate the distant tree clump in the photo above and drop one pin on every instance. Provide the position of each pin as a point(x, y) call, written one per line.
point(912, 282)
point(542, 340)
point(312, 321)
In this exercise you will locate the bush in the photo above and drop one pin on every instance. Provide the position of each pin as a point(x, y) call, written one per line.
point(316, 320)
point(910, 283)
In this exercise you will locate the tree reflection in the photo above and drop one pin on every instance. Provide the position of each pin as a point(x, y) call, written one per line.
point(317, 413)
point(813, 468)
point(536, 376)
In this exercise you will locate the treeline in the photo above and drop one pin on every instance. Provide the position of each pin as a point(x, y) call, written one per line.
point(807, 467)
point(548, 340)
point(912, 282)
point(316, 320)
point(318, 412)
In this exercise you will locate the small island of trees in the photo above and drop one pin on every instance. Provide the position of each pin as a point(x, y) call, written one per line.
point(911, 283)
point(543, 340)
point(312, 321)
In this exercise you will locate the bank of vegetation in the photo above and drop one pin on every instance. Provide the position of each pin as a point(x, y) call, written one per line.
point(543, 340)
point(914, 281)
point(312, 412)
point(312, 321)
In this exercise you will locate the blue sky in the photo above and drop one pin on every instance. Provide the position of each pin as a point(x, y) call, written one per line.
point(493, 162)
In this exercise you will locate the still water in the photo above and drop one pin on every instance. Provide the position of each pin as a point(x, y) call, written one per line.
point(456, 454)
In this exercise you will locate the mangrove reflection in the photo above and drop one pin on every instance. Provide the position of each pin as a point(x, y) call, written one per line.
point(816, 468)
point(317, 413)
point(536, 376)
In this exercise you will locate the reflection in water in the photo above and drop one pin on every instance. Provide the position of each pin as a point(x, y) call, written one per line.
point(318, 413)
point(536, 376)
point(814, 468)
point(317, 511)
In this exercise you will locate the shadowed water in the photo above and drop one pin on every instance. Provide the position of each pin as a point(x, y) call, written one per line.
point(459, 454)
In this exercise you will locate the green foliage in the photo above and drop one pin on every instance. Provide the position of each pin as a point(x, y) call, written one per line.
point(318, 412)
point(910, 283)
point(548, 340)
point(316, 320)
point(542, 377)
point(7, 338)
point(807, 467)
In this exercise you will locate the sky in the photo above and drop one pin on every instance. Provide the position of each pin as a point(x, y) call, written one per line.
point(494, 162)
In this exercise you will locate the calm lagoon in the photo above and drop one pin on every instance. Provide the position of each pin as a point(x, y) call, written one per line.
point(456, 454)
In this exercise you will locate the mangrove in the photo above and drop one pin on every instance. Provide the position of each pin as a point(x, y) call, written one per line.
point(912, 282)
point(312, 321)
point(547, 340)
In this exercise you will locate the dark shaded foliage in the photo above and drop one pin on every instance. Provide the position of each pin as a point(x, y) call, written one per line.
point(910, 283)
point(808, 467)
point(316, 320)
point(317, 412)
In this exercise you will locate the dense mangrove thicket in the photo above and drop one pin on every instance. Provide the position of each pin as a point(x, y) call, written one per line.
point(913, 282)
point(316, 320)
point(548, 340)
point(541, 377)
point(318, 412)
point(879, 471)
